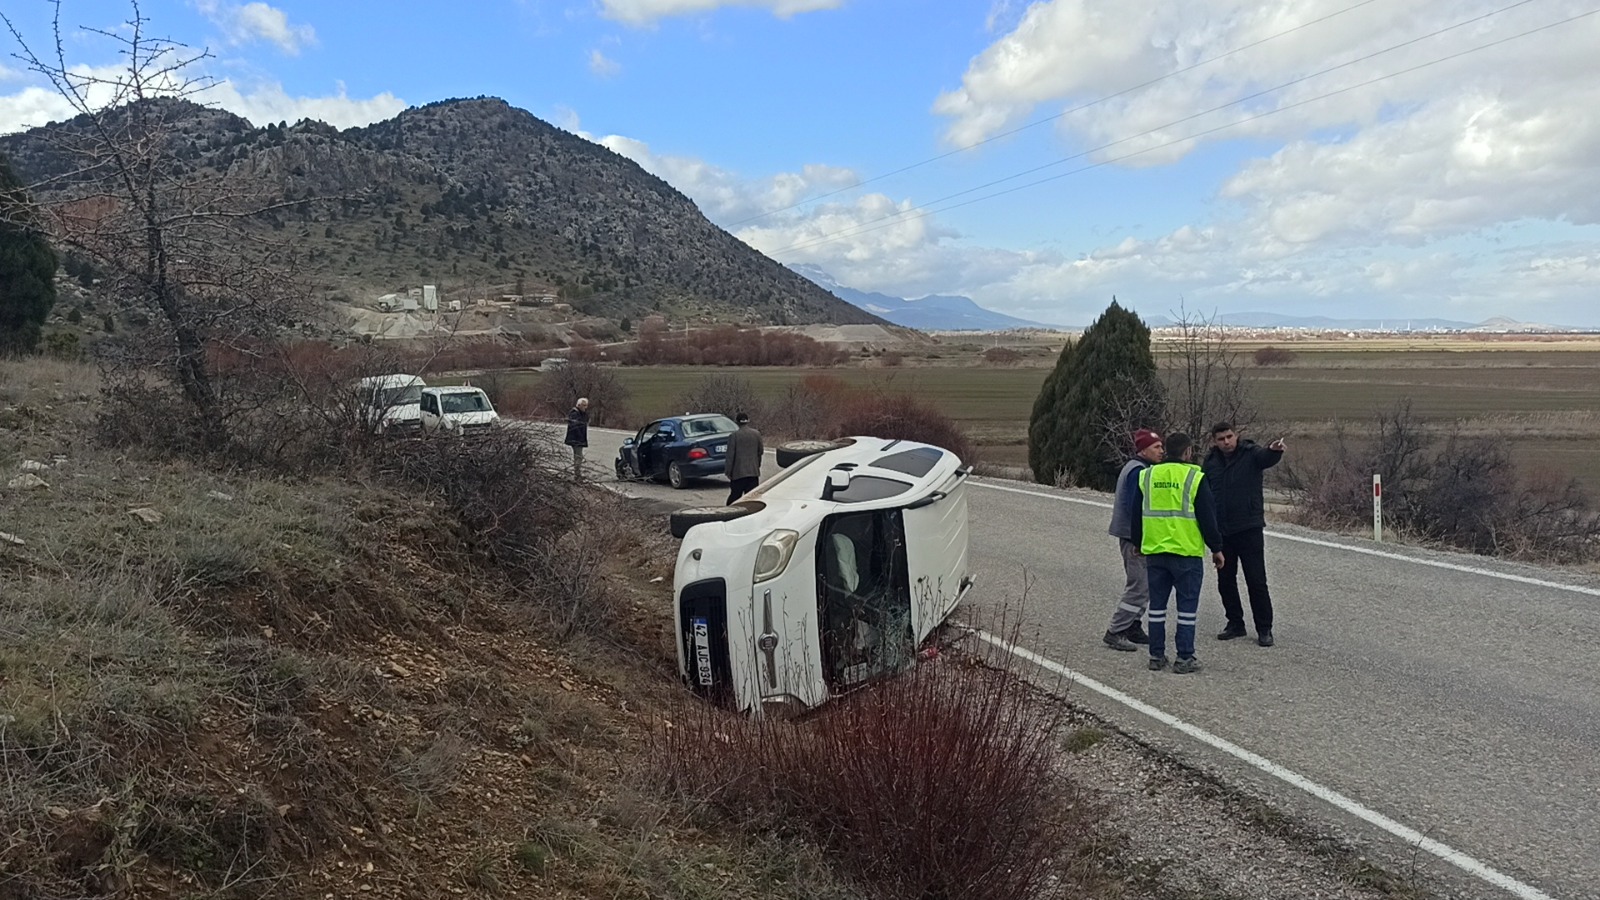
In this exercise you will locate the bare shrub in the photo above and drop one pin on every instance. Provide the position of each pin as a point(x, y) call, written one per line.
point(1206, 376)
point(1001, 356)
point(1459, 490)
point(726, 394)
point(515, 510)
point(939, 783)
point(1273, 356)
point(608, 398)
point(807, 408)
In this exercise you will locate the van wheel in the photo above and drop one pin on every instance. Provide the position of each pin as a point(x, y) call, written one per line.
point(681, 521)
point(791, 452)
point(675, 476)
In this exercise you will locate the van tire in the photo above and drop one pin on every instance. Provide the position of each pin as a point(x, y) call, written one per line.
point(791, 452)
point(681, 521)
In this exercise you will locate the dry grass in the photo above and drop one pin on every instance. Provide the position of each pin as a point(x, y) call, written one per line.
point(321, 685)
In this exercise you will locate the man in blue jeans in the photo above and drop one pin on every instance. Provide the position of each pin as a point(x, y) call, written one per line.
point(1174, 522)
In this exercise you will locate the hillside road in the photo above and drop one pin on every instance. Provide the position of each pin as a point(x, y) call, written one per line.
point(1453, 696)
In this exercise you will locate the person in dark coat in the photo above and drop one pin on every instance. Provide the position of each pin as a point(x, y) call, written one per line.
point(578, 435)
point(1126, 631)
point(744, 458)
point(1233, 469)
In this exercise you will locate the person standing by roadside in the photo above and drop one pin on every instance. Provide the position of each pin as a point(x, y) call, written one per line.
point(1126, 632)
point(1233, 468)
point(1174, 523)
point(744, 458)
point(578, 435)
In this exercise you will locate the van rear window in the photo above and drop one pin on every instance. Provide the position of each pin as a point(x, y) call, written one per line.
point(916, 462)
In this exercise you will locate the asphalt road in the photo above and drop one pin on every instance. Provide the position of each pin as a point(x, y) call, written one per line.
point(1463, 705)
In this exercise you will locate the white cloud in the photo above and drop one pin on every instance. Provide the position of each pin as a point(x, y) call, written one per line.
point(9, 74)
point(647, 12)
point(249, 22)
point(603, 66)
point(34, 106)
point(1398, 193)
point(271, 103)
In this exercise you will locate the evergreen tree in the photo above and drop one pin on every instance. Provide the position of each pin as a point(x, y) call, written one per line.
point(1103, 386)
point(27, 270)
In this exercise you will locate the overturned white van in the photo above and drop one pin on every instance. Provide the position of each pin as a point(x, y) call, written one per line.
point(828, 575)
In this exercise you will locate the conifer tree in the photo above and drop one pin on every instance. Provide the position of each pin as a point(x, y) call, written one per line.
point(27, 270)
point(1104, 385)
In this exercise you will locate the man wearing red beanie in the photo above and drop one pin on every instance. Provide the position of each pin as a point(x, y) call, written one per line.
point(1125, 632)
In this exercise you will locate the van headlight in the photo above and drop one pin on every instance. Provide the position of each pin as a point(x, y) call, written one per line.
point(773, 556)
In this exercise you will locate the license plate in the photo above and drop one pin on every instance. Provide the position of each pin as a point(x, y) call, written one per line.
point(720, 448)
point(702, 652)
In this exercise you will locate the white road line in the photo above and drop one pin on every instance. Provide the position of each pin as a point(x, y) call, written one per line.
point(1369, 551)
point(1409, 835)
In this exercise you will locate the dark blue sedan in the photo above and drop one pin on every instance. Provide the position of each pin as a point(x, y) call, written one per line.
point(677, 449)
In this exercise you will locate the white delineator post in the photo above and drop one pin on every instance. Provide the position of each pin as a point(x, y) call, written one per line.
point(1377, 507)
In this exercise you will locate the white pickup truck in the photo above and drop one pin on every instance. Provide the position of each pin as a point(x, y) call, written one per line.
point(461, 410)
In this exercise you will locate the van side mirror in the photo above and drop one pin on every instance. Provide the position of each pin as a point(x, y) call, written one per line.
point(838, 480)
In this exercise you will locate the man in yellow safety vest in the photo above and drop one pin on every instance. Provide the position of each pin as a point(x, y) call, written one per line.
point(1174, 521)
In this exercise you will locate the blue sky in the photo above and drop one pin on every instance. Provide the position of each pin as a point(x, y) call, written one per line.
point(1467, 188)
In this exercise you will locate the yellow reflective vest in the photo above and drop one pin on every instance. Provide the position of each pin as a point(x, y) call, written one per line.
point(1169, 523)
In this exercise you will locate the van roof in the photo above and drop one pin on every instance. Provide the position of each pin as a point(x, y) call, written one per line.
point(923, 466)
point(389, 381)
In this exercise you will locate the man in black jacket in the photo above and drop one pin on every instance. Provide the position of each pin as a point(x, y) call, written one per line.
point(578, 434)
point(1233, 470)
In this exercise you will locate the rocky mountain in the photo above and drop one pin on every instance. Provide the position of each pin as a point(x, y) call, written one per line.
point(477, 197)
point(932, 313)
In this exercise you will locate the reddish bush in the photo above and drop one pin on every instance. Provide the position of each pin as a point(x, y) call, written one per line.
point(730, 345)
point(903, 416)
point(1001, 356)
point(939, 783)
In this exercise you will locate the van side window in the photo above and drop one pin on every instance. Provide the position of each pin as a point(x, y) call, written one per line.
point(870, 487)
point(916, 462)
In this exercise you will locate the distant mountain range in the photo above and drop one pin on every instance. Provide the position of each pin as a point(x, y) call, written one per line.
point(935, 312)
point(1327, 323)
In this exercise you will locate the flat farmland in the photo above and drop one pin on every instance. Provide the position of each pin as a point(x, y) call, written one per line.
point(1547, 400)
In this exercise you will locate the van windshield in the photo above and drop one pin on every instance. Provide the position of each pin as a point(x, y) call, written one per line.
point(465, 402)
point(400, 396)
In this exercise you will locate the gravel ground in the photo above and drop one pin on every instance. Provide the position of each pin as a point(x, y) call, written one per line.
point(1188, 835)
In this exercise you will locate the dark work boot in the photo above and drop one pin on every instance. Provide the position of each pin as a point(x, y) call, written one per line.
point(1135, 633)
point(1231, 632)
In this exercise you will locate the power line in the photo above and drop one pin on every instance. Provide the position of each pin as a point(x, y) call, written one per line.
point(926, 209)
point(1048, 119)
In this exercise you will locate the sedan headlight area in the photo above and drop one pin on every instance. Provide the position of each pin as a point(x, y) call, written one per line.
point(773, 556)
